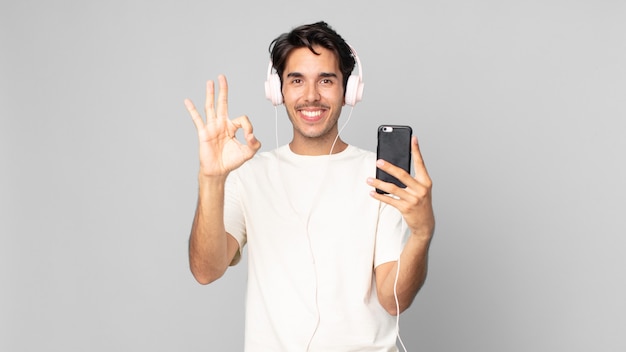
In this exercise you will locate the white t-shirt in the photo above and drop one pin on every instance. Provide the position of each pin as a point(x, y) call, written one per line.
point(314, 237)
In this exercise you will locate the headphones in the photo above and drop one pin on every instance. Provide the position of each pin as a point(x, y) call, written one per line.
point(354, 88)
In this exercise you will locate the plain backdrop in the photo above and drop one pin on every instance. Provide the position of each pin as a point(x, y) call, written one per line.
point(519, 106)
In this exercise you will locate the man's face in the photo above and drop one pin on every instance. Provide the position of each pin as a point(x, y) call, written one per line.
point(313, 92)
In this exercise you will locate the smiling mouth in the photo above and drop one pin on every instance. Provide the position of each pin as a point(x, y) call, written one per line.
point(311, 114)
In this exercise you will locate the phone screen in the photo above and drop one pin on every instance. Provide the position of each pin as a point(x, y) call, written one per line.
point(394, 146)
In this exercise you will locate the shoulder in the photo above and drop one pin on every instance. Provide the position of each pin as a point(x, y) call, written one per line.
point(260, 164)
point(357, 154)
point(262, 159)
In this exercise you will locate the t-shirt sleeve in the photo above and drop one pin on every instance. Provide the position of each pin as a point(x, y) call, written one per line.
point(391, 235)
point(234, 219)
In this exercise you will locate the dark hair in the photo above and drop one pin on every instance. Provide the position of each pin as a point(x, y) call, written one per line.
point(309, 35)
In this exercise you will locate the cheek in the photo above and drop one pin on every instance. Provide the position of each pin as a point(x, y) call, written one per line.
point(335, 93)
point(335, 98)
point(289, 95)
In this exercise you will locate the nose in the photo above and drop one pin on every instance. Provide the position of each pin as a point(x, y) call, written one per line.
point(312, 92)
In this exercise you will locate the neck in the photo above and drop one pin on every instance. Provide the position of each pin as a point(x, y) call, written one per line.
point(316, 146)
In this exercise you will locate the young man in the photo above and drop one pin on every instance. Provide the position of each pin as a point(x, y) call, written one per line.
point(325, 251)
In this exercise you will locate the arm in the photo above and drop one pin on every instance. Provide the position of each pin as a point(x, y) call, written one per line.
point(211, 248)
point(415, 204)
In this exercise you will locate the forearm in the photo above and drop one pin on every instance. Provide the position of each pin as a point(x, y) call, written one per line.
point(413, 268)
point(208, 242)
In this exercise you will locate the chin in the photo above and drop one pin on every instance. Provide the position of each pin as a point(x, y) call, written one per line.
point(315, 132)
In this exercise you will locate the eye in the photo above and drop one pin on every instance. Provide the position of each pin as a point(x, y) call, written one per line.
point(326, 81)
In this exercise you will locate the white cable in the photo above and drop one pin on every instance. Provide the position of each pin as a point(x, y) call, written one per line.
point(395, 296)
point(341, 130)
point(306, 224)
point(276, 125)
point(309, 237)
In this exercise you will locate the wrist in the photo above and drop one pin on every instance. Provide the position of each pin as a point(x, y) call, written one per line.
point(425, 234)
point(211, 181)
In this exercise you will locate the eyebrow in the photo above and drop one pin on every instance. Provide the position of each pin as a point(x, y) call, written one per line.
point(322, 74)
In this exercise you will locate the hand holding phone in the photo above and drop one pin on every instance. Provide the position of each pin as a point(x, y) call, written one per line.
point(394, 146)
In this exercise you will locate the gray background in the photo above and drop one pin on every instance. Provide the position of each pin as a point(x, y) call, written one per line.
point(519, 106)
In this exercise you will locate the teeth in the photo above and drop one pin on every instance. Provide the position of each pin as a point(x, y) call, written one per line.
point(311, 113)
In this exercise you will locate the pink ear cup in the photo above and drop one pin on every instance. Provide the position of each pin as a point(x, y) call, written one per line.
point(272, 87)
point(354, 90)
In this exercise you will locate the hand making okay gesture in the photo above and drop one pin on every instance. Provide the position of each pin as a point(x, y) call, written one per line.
point(219, 150)
point(414, 201)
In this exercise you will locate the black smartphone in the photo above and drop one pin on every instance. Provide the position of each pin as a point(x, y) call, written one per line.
point(394, 146)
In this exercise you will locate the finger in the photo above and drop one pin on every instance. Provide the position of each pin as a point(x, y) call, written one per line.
point(402, 199)
point(413, 186)
point(395, 171)
point(244, 123)
point(421, 174)
point(222, 98)
point(389, 198)
point(195, 115)
point(415, 151)
point(209, 108)
point(381, 185)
